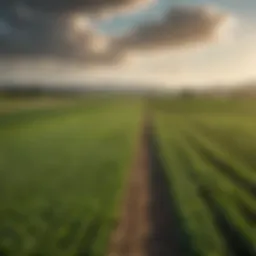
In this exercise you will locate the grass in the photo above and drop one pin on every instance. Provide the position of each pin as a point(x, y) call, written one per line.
point(199, 232)
point(61, 176)
point(204, 146)
point(63, 166)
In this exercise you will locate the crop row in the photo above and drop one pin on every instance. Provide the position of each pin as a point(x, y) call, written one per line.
point(200, 235)
point(203, 192)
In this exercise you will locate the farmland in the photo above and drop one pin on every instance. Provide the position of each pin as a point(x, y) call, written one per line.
point(62, 174)
point(128, 176)
point(207, 151)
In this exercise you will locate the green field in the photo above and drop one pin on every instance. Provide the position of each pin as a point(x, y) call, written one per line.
point(208, 151)
point(63, 170)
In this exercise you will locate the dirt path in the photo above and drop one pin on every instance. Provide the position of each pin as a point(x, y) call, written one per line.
point(130, 237)
point(147, 223)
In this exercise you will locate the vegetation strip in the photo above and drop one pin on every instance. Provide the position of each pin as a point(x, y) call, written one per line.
point(227, 212)
point(236, 171)
point(197, 219)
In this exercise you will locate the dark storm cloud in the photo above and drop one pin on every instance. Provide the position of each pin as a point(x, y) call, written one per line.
point(181, 26)
point(55, 28)
point(60, 6)
point(45, 34)
point(42, 27)
point(40, 34)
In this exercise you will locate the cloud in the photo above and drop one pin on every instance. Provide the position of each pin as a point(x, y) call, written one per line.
point(63, 36)
point(58, 28)
point(64, 6)
point(182, 26)
point(66, 33)
point(221, 64)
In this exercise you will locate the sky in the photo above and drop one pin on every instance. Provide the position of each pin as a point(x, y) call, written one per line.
point(136, 43)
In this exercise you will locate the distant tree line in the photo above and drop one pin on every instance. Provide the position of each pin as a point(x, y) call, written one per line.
point(14, 91)
point(187, 94)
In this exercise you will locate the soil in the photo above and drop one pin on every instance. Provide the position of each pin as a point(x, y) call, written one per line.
point(147, 223)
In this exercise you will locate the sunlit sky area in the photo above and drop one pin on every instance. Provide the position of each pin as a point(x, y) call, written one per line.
point(148, 45)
